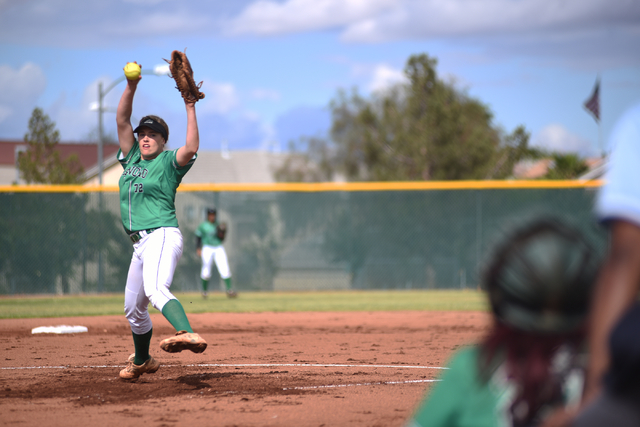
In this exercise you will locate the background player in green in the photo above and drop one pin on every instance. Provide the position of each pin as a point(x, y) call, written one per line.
point(209, 248)
point(147, 205)
point(530, 369)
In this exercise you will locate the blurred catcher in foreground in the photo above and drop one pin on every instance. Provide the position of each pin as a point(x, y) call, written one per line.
point(532, 363)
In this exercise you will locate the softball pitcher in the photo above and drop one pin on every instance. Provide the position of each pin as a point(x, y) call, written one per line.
point(209, 237)
point(147, 205)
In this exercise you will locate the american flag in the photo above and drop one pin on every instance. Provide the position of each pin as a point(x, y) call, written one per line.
point(593, 103)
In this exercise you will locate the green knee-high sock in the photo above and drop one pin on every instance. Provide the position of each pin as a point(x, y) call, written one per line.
point(141, 344)
point(227, 283)
point(174, 313)
point(205, 284)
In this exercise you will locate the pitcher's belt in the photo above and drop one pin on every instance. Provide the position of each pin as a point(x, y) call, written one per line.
point(135, 237)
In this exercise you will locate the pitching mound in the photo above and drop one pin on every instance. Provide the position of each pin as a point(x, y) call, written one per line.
point(260, 369)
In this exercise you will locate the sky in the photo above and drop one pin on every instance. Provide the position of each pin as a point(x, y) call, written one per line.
point(271, 68)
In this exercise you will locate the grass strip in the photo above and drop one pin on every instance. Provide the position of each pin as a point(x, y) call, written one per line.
point(22, 307)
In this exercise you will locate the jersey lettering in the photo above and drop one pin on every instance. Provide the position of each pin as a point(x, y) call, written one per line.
point(136, 171)
point(148, 190)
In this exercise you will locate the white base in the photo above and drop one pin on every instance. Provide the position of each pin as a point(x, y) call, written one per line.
point(60, 329)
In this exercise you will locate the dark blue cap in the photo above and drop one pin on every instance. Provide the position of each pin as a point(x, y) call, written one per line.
point(152, 124)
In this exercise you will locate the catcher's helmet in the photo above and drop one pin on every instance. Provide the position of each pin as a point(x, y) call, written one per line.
point(212, 211)
point(541, 278)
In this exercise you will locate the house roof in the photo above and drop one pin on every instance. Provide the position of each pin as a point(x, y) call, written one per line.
point(537, 168)
point(211, 166)
point(597, 168)
point(87, 152)
point(532, 168)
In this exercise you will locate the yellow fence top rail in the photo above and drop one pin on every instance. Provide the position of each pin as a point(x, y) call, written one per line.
point(324, 186)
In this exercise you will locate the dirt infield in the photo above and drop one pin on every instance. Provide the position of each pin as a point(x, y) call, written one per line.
point(260, 369)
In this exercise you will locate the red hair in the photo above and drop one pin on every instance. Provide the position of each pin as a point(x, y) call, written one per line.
point(527, 357)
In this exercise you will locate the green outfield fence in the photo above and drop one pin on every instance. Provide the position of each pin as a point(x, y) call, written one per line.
point(284, 237)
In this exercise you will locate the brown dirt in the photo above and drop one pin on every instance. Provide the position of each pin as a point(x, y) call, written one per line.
point(260, 369)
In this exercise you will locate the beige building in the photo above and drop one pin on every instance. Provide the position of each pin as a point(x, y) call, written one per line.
point(87, 154)
point(249, 167)
point(211, 167)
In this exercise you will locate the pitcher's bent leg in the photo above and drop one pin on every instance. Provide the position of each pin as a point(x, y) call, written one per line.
point(162, 253)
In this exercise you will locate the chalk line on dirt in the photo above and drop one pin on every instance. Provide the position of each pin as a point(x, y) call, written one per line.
point(267, 365)
point(359, 384)
point(238, 365)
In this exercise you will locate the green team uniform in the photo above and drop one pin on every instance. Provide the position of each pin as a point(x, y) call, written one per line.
point(207, 232)
point(462, 399)
point(148, 189)
point(148, 214)
point(212, 251)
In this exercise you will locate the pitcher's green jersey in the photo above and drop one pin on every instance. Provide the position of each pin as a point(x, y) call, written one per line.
point(207, 232)
point(148, 189)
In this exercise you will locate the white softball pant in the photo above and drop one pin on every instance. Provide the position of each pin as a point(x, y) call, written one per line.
point(217, 254)
point(153, 263)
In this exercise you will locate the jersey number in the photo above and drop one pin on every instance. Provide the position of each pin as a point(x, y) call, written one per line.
point(138, 188)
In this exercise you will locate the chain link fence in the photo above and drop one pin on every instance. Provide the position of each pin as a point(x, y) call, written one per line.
point(65, 242)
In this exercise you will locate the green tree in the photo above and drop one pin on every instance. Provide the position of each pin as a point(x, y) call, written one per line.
point(566, 166)
point(261, 250)
point(41, 162)
point(42, 233)
point(515, 147)
point(426, 129)
point(562, 165)
point(49, 238)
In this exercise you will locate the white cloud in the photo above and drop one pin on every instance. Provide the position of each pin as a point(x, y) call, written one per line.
point(438, 18)
point(220, 98)
point(19, 92)
point(555, 137)
point(241, 131)
point(158, 23)
point(380, 20)
point(384, 77)
point(269, 142)
point(76, 121)
point(267, 17)
point(145, 2)
point(5, 4)
point(95, 23)
point(268, 94)
point(21, 85)
point(580, 31)
point(4, 112)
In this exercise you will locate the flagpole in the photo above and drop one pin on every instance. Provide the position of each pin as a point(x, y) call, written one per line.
point(600, 141)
